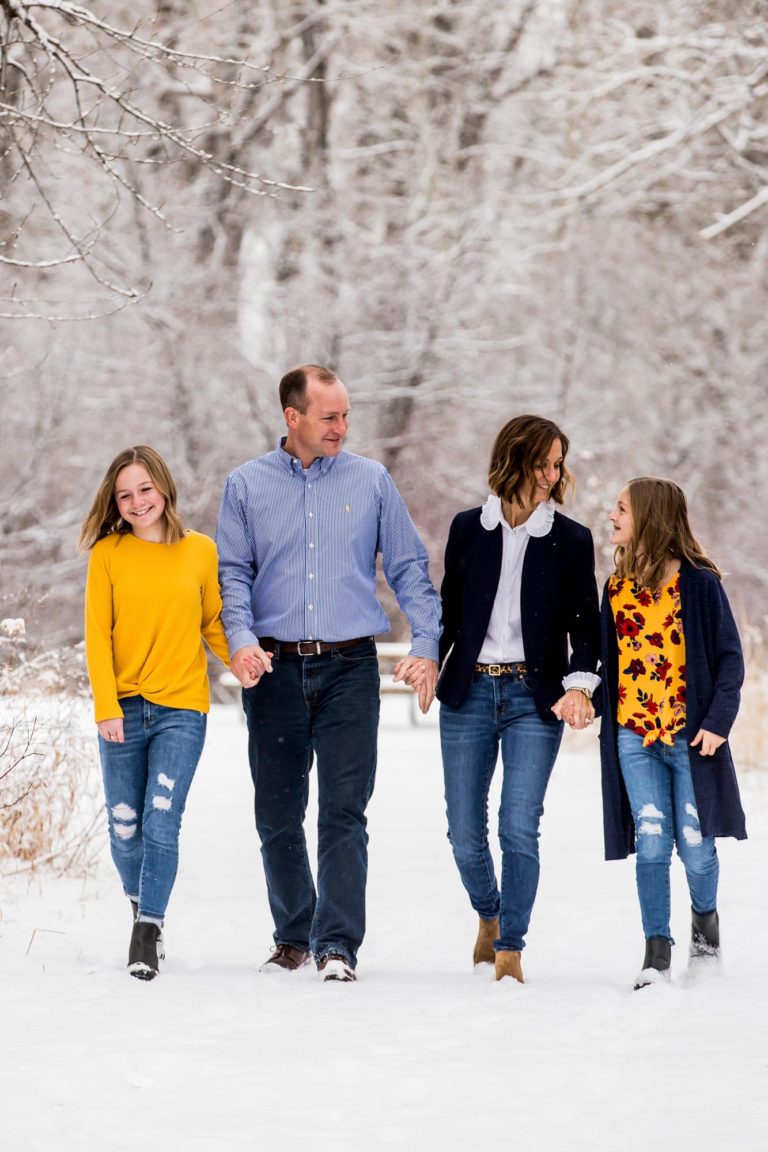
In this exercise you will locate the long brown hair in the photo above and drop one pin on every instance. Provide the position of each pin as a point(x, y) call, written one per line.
point(104, 518)
point(660, 531)
point(521, 445)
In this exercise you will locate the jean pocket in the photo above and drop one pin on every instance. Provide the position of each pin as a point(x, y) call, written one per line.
point(366, 650)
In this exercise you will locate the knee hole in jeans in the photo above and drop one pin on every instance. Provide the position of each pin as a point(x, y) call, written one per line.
point(124, 821)
point(163, 803)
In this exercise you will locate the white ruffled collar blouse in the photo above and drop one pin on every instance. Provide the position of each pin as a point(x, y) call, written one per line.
point(538, 523)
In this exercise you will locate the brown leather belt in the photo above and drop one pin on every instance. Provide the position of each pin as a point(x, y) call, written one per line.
point(516, 668)
point(308, 647)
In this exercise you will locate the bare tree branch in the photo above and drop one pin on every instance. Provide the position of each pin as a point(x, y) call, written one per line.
point(67, 89)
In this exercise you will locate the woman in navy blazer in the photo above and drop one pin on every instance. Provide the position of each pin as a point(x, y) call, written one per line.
point(518, 652)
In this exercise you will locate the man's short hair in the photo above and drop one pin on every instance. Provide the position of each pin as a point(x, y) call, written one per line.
point(293, 386)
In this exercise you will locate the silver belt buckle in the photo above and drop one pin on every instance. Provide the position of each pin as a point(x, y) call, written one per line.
point(315, 644)
point(494, 669)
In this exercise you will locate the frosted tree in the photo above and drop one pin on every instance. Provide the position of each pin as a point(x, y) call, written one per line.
point(549, 205)
point(104, 104)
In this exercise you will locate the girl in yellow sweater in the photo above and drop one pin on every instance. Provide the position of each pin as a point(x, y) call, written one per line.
point(152, 597)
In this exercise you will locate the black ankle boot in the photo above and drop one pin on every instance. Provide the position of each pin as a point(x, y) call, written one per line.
point(705, 934)
point(142, 953)
point(657, 959)
point(160, 941)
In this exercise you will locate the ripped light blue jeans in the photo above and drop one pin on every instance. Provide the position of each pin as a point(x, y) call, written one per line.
point(660, 790)
point(146, 782)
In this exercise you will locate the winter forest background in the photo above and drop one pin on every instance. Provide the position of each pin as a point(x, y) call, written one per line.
point(470, 210)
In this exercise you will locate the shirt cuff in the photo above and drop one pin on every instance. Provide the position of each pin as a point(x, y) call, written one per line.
point(425, 648)
point(586, 680)
point(239, 640)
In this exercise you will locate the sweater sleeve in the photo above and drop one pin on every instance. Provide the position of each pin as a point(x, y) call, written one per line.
point(98, 637)
point(212, 628)
point(729, 664)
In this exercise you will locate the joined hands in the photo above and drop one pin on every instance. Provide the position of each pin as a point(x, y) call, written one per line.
point(250, 663)
point(421, 674)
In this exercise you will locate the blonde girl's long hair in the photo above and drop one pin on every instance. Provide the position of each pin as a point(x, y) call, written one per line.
point(660, 531)
point(104, 518)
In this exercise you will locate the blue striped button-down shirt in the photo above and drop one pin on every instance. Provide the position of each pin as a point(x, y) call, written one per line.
point(297, 553)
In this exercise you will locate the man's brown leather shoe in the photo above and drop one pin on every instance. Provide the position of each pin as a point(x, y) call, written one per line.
point(287, 957)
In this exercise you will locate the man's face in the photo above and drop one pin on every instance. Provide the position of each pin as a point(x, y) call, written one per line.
point(319, 431)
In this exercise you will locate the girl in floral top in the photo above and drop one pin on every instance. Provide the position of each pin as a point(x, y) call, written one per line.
point(652, 654)
point(672, 673)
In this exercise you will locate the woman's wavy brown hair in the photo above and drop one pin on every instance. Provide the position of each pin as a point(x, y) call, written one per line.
point(521, 445)
point(104, 518)
point(660, 530)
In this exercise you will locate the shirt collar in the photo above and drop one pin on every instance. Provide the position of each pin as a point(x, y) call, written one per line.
point(538, 523)
point(322, 464)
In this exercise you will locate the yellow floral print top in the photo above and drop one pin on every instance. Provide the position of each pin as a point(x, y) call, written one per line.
point(649, 631)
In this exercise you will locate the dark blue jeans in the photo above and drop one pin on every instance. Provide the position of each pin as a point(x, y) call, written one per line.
point(146, 782)
point(324, 707)
point(498, 712)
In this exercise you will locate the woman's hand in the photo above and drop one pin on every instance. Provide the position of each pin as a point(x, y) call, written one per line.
point(575, 709)
point(421, 674)
point(112, 730)
point(709, 742)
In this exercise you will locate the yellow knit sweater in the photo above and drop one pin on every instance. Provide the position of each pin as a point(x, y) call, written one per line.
point(146, 608)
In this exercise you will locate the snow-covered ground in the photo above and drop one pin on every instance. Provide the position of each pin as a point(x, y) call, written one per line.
point(422, 1053)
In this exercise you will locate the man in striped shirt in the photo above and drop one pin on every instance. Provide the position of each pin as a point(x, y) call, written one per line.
point(298, 535)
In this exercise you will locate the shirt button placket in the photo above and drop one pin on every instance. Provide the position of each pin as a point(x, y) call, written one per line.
point(309, 614)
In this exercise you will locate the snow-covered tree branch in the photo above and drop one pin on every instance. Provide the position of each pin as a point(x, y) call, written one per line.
point(89, 104)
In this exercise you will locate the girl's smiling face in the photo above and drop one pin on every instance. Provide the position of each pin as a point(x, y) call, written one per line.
point(139, 503)
point(621, 520)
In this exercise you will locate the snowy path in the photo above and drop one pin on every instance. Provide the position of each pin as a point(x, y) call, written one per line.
point(421, 1053)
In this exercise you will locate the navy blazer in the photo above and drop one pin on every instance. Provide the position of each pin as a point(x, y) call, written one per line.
point(558, 602)
point(714, 671)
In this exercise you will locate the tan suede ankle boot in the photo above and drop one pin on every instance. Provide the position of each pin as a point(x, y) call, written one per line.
point(487, 932)
point(508, 964)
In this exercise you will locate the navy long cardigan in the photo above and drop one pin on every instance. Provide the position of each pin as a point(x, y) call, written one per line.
point(714, 672)
point(558, 602)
